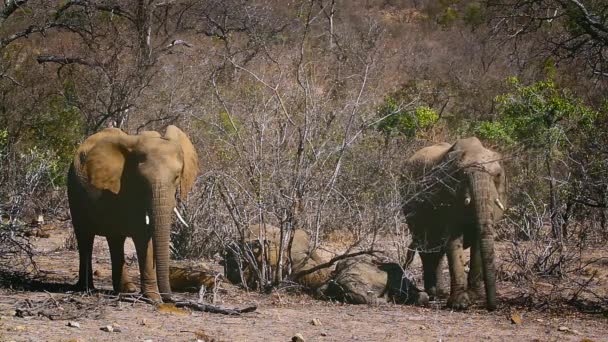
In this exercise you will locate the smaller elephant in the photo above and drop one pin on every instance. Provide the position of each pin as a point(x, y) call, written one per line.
point(122, 185)
point(241, 261)
point(461, 195)
point(360, 280)
point(191, 279)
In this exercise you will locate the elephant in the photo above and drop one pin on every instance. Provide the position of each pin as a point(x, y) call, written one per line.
point(122, 185)
point(238, 265)
point(461, 195)
point(191, 279)
point(361, 280)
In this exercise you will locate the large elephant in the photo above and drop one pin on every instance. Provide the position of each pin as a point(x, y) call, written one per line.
point(122, 185)
point(461, 195)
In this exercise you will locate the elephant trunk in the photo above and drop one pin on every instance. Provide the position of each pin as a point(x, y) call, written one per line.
point(484, 193)
point(163, 202)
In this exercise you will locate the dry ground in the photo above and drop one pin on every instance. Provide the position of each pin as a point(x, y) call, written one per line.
point(279, 316)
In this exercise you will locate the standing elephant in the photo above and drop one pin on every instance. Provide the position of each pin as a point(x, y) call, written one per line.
point(462, 195)
point(122, 185)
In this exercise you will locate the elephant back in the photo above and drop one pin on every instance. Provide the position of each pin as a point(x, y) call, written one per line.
point(301, 257)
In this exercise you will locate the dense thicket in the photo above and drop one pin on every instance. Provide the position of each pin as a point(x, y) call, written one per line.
point(304, 111)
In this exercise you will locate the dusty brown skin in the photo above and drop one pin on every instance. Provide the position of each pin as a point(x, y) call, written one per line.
point(190, 279)
point(301, 257)
point(457, 213)
point(122, 185)
point(360, 280)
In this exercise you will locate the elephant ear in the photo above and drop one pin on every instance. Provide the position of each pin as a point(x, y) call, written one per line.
point(190, 169)
point(105, 162)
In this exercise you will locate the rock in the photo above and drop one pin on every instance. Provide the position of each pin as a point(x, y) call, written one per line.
point(108, 328)
point(323, 333)
point(563, 328)
point(423, 327)
point(315, 321)
point(298, 338)
point(147, 341)
point(515, 318)
point(143, 321)
point(73, 324)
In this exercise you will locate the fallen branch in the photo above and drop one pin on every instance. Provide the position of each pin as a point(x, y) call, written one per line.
point(190, 304)
point(213, 308)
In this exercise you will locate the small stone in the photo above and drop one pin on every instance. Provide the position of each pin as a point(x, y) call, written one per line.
point(108, 328)
point(19, 328)
point(298, 338)
point(515, 318)
point(324, 334)
point(147, 341)
point(74, 324)
point(315, 321)
point(143, 321)
point(423, 327)
point(563, 328)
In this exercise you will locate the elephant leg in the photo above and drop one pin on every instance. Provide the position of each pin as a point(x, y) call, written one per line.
point(120, 277)
point(85, 253)
point(431, 269)
point(459, 299)
point(147, 270)
point(474, 286)
point(410, 254)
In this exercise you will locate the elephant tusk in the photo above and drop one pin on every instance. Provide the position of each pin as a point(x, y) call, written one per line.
point(467, 200)
point(499, 204)
point(180, 218)
point(147, 220)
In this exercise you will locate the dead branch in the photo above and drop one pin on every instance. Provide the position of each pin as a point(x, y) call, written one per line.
point(63, 60)
point(213, 308)
point(189, 304)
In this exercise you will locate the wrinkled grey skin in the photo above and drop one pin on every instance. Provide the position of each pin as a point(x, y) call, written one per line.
point(462, 195)
point(359, 280)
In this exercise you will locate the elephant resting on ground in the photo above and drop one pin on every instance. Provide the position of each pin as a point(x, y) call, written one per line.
point(191, 279)
point(238, 257)
point(123, 185)
point(463, 196)
point(359, 280)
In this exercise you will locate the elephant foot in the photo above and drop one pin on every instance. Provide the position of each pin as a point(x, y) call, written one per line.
point(153, 296)
point(82, 287)
point(459, 300)
point(437, 292)
point(423, 299)
point(128, 287)
point(476, 293)
point(167, 298)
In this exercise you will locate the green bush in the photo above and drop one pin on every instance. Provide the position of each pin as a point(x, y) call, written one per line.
point(404, 121)
point(537, 116)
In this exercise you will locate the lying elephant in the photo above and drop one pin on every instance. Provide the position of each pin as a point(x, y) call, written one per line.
point(359, 280)
point(191, 279)
point(242, 260)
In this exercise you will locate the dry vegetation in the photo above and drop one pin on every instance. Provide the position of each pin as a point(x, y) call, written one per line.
point(303, 113)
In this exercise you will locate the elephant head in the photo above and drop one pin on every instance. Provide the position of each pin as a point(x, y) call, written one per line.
point(144, 173)
point(482, 195)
